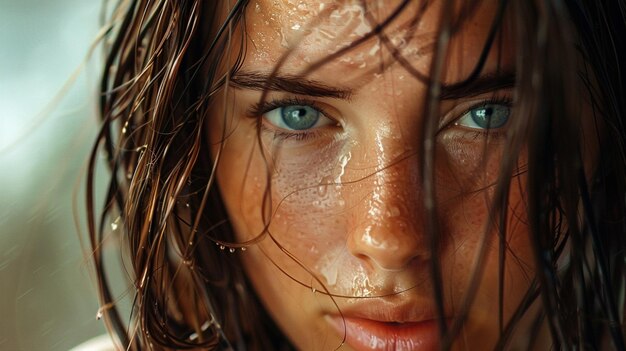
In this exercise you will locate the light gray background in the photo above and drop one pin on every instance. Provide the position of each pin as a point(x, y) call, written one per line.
point(47, 296)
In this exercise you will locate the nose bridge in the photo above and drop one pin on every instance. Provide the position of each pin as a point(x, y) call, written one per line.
point(388, 220)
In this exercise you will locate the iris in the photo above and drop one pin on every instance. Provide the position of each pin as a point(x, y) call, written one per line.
point(299, 117)
point(490, 116)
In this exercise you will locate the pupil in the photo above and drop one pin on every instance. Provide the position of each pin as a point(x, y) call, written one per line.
point(299, 117)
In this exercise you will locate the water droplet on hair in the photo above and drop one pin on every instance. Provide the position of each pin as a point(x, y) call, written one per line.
point(187, 204)
point(222, 247)
point(99, 314)
point(124, 127)
point(231, 250)
point(244, 248)
point(115, 223)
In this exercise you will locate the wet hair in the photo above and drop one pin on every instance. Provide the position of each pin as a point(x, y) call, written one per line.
point(164, 64)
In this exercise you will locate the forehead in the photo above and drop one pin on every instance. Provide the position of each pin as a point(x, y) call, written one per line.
point(308, 32)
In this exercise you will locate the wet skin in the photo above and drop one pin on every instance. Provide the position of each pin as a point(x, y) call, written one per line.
point(345, 208)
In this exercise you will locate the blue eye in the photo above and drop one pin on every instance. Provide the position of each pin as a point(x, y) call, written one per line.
point(297, 117)
point(489, 116)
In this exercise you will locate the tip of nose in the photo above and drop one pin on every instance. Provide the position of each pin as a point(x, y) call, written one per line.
point(386, 249)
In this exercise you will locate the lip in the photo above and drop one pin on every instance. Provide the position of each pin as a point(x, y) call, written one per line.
point(388, 324)
point(368, 334)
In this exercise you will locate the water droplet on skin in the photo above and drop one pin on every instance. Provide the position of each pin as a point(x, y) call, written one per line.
point(313, 290)
point(343, 162)
point(244, 248)
point(257, 8)
point(296, 26)
point(374, 50)
point(322, 190)
point(393, 211)
point(361, 285)
point(283, 40)
point(324, 34)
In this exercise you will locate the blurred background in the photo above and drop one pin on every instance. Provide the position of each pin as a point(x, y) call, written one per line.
point(47, 294)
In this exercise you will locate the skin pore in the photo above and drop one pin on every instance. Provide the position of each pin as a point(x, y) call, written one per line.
point(345, 210)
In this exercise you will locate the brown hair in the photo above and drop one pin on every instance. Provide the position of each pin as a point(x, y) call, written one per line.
point(161, 75)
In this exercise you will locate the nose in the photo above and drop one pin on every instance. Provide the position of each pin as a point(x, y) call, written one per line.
point(388, 221)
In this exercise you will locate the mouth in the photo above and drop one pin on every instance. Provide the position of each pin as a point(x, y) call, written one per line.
point(370, 334)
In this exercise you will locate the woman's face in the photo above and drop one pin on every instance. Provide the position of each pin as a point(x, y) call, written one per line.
point(346, 251)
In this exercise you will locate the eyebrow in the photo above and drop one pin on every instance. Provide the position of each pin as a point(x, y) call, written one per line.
point(294, 84)
point(287, 83)
point(483, 84)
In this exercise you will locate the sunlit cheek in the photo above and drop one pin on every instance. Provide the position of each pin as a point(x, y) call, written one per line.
point(308, 201)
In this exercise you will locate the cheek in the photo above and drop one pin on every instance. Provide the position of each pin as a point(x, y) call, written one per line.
point(290, 197)
point(467, 179)
point(311, 209)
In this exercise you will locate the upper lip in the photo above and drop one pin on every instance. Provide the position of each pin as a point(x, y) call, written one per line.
point(390, 310)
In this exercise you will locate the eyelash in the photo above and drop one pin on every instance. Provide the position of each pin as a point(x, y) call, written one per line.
point(262, 107)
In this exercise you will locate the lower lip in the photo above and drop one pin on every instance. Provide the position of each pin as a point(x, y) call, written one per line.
point(367, 334)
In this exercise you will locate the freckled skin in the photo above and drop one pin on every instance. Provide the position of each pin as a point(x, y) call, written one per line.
point(347, 204)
